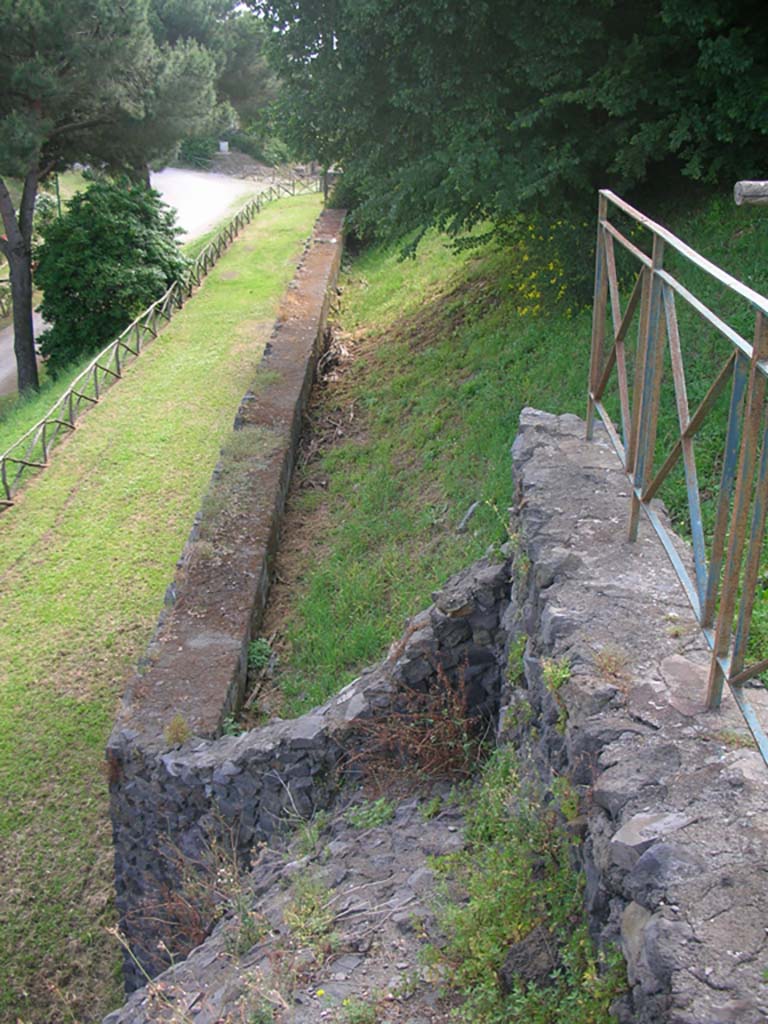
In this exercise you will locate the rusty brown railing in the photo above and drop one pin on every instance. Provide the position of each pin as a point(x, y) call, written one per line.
point(726, 566)
point(32, 451)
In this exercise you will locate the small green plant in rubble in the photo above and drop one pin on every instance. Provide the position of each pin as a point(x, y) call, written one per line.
point(555, 672)
point(263, 1013)
point(231, 726)
point(515, 874)
point(309, 832)
point(177, 732)
point(309, 915)
point(371, 814)
point(515, 662)
point(259, 653)
point(358, 1011)
point(431, 808)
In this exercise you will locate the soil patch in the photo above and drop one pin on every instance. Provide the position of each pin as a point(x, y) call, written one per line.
point(333, 417)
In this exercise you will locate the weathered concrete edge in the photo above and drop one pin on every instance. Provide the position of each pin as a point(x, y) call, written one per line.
point(195, 665)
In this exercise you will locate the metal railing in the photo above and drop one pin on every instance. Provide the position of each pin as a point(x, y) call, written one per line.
point(727, 564)
point(32, 451)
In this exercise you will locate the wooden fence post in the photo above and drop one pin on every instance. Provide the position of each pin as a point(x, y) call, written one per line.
point(753, 414)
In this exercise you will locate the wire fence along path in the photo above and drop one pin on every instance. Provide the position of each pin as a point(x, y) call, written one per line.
point(32, 452)
point(727, 565)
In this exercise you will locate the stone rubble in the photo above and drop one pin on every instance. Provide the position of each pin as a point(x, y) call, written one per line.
point(380, 895)
point(255, 785)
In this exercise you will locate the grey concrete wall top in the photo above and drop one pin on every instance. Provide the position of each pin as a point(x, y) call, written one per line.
point(195, 667)
point(677, 839)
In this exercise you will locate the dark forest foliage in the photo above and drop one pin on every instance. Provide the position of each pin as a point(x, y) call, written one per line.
point(450, 113)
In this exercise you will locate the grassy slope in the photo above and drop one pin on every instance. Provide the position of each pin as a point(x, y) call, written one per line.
point(85, 557)
point(452, 348)
point(449, 359)
point(455, 346)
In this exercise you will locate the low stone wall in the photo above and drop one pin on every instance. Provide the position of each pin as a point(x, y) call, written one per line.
point(612, 695)
point(194, 671)
point(172, 807)
point(602, 673)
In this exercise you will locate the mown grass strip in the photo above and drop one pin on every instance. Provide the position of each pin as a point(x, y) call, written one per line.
point(19, 413)
point(85, 557)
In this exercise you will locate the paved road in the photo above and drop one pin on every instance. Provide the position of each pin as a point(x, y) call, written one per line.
point(7, 358)
point(201, 200)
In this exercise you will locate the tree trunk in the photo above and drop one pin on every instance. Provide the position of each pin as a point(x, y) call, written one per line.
point(23, 328)
point(17, 249)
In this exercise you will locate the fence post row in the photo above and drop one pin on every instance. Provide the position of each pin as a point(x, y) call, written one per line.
point(722, 592)
point(36, 437)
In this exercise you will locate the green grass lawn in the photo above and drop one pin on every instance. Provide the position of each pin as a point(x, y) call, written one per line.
point(450, 353)
point(454, 345)
point(85, 557)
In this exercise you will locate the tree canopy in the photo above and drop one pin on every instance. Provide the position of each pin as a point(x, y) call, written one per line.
point(234, 37)
point(454, 112)
point(84, 80)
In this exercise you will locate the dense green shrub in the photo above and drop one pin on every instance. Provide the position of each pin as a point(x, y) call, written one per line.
point(112, 254)
point(199, 151)
point(265, 147)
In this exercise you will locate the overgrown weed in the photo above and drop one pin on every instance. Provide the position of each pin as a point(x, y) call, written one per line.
point(430, 734)
point(515, 874)
point(371, 813)
point(310, 916)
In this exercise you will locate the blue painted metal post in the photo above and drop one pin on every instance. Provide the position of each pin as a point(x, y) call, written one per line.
point(598, 315)
point(650, 386)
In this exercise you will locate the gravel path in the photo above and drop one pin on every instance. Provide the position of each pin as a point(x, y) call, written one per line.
point(200, 199)
point(335, 932)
